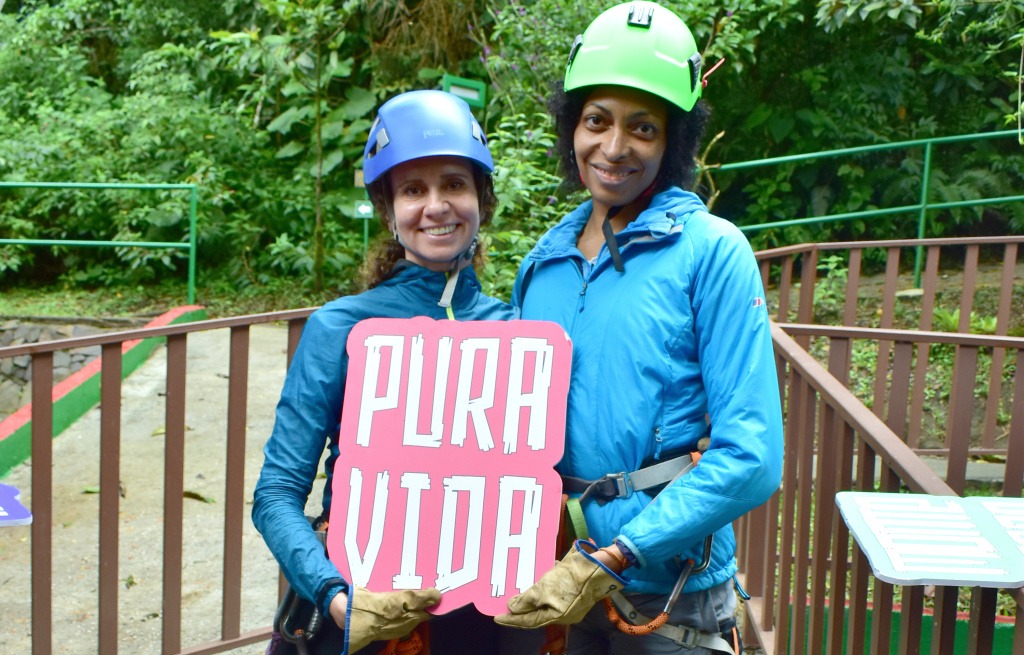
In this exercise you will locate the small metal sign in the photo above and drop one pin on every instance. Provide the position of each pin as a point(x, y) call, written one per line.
point(364, 209)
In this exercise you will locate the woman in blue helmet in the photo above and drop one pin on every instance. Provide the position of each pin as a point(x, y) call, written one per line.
point(427, 170)
point(672, 354)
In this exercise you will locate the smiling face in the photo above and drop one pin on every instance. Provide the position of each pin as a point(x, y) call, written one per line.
point(436, 209)
point(619, 143)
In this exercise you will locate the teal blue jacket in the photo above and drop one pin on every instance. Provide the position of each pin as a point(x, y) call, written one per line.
point(674, 348)
point(309, 414)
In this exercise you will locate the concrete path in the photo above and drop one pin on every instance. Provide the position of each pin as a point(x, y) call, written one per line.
point(76, 458)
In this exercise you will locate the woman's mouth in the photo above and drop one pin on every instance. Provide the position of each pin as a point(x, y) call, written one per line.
point(440, 231)
point(613, 175)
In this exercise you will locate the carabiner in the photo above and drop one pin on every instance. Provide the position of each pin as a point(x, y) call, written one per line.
point(689, 568)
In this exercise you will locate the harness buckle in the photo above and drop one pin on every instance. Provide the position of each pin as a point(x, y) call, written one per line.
point(609, 487)
point(623, 485)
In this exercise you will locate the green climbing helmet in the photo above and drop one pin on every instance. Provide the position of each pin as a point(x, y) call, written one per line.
point(642, 45)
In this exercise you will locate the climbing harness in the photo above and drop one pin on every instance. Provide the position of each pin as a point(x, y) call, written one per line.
point(297, 621)
point(658, 622)
point(622, 485)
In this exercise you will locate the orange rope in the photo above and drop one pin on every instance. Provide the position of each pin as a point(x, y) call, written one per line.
point(413, 644)
point(628, 628)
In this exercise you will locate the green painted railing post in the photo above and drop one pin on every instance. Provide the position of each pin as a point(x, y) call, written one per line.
point(193, 211)
point(926, 174)
point(921, 207)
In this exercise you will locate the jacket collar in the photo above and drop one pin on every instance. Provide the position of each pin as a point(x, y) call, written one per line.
point(419, 281)
point(666, 210)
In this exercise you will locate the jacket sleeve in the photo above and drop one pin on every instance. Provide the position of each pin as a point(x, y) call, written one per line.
point(306, 419)
point(743, 464)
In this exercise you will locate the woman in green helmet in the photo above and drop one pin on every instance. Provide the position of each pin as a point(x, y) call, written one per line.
point(672, 355)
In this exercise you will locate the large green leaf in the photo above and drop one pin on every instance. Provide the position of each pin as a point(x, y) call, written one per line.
point(359, 102)
point(331, 161)
point(291, 149)
point(288, 118)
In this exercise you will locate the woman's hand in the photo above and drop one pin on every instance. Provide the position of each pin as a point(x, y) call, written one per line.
point(379, 616)
point(564, 594)
point(338, 608)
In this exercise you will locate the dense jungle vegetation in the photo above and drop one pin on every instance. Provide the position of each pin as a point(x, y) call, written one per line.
point(265, 106)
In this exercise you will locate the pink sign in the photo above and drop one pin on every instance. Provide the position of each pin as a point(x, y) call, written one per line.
point(449, 438)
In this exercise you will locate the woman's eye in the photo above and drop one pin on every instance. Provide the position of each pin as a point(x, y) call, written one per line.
point(592, 120)
point(647, 130)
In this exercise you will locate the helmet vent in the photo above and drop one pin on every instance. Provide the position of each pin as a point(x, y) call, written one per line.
point(640, 16)
point(576, 45)
point(695, 66)
point(478, 133)
point(379, 140)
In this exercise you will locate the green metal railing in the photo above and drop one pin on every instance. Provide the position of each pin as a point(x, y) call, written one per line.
point(921, 207)
point(190, 245)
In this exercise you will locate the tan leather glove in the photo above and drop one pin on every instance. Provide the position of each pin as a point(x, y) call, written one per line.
point(378, 616)
point(564, 594)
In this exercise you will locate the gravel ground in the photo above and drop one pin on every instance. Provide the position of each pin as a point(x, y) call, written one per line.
point(75, 521)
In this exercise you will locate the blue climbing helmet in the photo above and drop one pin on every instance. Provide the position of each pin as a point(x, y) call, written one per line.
point(423, 124)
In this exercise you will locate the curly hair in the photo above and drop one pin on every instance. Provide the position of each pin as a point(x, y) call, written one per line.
point(386, 251)
point(684, 131)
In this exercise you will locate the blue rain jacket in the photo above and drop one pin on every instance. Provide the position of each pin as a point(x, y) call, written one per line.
point(675, 348)
point(309, 413)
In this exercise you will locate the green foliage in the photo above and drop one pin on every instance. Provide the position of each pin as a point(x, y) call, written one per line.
point(302, 77)
point(266, 105)
point(830, 293)
point(944, 320)
point(530, 202)
point(876, 72)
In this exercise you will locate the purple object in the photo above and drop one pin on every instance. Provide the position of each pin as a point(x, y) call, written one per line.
point(12, 512)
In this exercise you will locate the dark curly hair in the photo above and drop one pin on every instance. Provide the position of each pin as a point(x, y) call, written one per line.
point(385, 252)
point(683, 133)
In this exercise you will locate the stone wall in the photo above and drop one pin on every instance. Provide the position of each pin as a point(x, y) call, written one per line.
point(16, 372)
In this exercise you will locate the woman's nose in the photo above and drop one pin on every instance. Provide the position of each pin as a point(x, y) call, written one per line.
point(437, 203)
point(616, 144)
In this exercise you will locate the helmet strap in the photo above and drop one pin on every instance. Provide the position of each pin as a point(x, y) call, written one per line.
point(610, 240)
point(453, 274)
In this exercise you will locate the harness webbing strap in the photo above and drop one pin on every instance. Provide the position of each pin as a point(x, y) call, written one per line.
point(622, 484)
point(579, 523)
point(680, 634)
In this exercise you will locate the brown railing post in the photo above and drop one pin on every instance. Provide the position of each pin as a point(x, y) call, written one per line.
point(110, 495)
point(981, 626)
point(174, 489)
point(234, 497)
point(42, 503)
point(931, 275)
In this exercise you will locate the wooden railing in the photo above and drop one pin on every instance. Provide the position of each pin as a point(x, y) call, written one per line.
point(802, 290)
point(812, 589)
point(811, 586)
